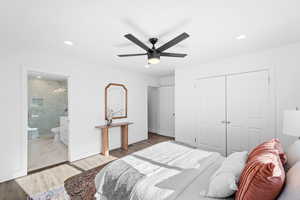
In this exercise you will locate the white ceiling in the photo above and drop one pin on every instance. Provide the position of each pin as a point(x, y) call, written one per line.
point(97, 27)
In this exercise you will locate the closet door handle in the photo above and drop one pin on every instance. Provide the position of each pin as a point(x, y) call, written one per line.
point(225, 122)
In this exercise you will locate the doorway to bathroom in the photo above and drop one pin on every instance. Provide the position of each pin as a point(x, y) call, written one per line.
point(48, 130)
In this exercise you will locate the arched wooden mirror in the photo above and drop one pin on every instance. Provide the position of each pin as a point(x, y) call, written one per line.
point(115, 101)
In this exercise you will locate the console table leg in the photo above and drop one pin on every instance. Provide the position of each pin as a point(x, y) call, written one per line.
point(124, 133)
point(105, 142)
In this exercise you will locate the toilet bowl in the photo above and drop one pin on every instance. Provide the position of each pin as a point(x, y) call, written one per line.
point(33, 133)
point(56, 132)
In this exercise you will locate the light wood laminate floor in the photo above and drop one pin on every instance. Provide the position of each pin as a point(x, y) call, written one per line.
point(46, 179)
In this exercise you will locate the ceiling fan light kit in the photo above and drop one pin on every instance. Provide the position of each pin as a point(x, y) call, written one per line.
point(153, 58)
point(153, 53)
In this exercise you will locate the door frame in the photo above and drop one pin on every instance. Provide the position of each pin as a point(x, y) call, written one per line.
point(236, 73)
point(24, 109)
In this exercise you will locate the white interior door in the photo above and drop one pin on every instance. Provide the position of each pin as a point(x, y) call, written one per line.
point(166, 110)
point(153, 108)
point(248, 110)
point(210, 111)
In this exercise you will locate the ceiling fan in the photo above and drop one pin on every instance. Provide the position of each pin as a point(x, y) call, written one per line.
point(153, 53)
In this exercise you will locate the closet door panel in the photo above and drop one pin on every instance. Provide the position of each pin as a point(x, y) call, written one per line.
point(166, 111)
point(248, 110)
point(210, 114)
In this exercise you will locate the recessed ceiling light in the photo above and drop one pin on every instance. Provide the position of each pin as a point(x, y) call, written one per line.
point(39, 77)
point(241, 37)
point(70, 43)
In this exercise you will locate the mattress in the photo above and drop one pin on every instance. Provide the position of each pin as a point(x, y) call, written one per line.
point(171, 171)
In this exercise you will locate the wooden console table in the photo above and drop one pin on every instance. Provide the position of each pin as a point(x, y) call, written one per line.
point(105, 139)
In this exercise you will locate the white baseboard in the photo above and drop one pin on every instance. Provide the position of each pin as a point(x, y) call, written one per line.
point(165, 133)
point(152, 130)
point(162, 132)
point(83, 155)
point(89, 154)
point(12, 176)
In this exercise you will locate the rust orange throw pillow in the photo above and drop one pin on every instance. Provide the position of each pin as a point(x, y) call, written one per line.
point(263, 176)
point(272, 146)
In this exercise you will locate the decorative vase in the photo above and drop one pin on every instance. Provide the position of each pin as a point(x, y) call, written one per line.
point(108, 122)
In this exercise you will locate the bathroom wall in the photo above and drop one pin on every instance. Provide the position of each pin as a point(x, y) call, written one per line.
point(47, 101)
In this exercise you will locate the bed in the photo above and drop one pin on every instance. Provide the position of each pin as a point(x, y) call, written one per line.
point(165, 171)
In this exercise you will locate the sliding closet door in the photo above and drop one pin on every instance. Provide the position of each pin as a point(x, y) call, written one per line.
point(248, 110)
point(210, 114)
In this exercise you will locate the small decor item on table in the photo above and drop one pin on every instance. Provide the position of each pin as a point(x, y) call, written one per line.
point(109, 117)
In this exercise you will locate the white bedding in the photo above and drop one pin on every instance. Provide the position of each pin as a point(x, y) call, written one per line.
point(172, 172)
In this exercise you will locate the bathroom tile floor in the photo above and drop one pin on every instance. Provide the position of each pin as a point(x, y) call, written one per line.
point(43, 152)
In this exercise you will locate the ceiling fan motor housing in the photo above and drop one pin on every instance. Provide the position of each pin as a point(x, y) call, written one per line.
point(153, 54)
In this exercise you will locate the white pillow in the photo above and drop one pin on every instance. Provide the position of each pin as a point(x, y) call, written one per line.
point(223, 183)
point(292, 185)
point(293, 154)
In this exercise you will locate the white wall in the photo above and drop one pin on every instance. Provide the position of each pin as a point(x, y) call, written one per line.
point(86, 106)
point(283, 62)
point(167, 80)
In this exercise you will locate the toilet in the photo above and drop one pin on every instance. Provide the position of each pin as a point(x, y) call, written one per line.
point(33, 133)
point(56, 132)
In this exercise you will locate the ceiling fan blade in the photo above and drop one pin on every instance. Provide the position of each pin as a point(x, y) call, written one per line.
point(126, 44)
point(135, 27)
point(137, 41)
point(137, 54)
point(174, 28)
point(179, 55)
point(173, 42)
